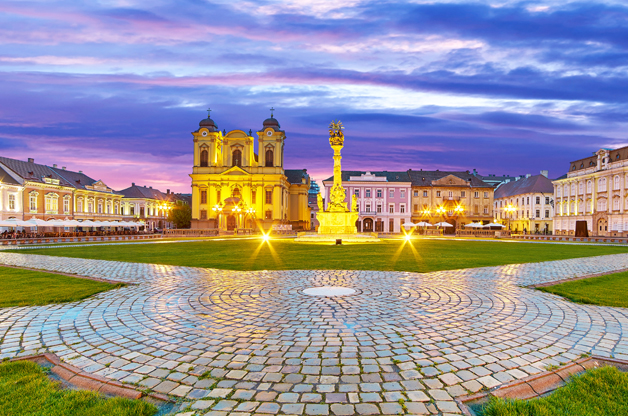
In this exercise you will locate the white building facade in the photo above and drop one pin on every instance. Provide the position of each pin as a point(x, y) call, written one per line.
point(595, 191)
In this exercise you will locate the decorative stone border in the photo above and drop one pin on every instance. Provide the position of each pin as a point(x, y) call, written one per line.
point(52, 240)
point(86, 381)
point(539, 384)
point(571, 279)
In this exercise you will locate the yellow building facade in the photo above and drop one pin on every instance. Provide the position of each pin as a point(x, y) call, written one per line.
point(233, 187)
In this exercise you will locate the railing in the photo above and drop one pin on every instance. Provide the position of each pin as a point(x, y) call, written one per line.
point(177, 232)
point(49, 240)
point(475, 233)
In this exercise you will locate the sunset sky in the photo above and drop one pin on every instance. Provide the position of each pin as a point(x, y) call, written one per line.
point(114, 88)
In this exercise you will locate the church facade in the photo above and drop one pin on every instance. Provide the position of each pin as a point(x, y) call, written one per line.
point(234, 187)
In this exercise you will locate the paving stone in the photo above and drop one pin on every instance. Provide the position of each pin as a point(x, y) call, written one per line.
point(316, 409)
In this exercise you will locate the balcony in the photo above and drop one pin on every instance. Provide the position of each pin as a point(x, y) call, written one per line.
point(368, 213)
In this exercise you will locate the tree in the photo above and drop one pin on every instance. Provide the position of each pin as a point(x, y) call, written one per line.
point(180, 216)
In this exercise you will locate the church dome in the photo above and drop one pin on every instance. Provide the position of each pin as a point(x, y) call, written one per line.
point(209, 124)
point(271, 122)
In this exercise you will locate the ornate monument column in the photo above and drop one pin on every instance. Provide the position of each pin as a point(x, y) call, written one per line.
point(338, 219)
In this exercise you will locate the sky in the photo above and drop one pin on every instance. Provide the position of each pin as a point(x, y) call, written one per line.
point(114, 88)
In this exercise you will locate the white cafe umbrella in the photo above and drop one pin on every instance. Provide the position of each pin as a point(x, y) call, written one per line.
point(36, 222)
point(14, 222)
point(55, 223)
point(494, 224)
point(87, 223)
point(443, 224)
point(475, 225)
point(408, 225)
point(72, 223)
point(423, 224)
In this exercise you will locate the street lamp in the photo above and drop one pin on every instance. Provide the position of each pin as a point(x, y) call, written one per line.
point(510, 209)
point(218, 210)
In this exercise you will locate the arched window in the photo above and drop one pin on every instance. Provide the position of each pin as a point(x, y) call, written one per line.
point(581, 187)
point(269, 158)
point(204, 158)
point(616, 183)
point(236, 158)
point(236, 193)
point(601, 186)
point(589, 187)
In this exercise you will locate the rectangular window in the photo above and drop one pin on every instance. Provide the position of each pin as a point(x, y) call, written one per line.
point(538, 213)
point(438, 193)
point(391, 226)
point(218, 196)
point(476, 194)
point(402, 194)
point(402, 208)
point(33, 202)
point(203, 197)
point(416, 207)
point(527, 214)
point(269, 196)
point(538, 199)
point(253, 197)
point(100, 207)
point(391, 208)
point(463, 194)
point(356, 192)
point(269, 215)
point(391, 193)
point(368, 207)
point(11, 202)
point(547, 213)
point(485, 194)
point(424, 194)
point(416, 193)
point(379, 207)
point(66, 206)
point(132, 210)
point(476, 209)
point(203, 214)
point(368, 193)
point(379, 193)
point(486, 209)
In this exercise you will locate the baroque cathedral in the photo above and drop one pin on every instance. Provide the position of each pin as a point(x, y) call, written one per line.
point(236, 188)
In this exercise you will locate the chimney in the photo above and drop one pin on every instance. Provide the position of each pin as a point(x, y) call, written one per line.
point(545, 173)
point(31, 160)
point(168, 191)
point(132, 183)
point(63, 168)
point(80, 171)
point(54, 165)
point(528, 175)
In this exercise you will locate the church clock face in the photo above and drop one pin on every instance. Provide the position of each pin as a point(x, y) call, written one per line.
point(269, 133)
point(204, 133)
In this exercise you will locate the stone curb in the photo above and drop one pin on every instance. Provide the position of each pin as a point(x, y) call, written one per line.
point(538, 384)
point(87, 381)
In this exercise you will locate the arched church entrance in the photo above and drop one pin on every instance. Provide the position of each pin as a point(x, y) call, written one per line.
point(368, 225)
point(231, 223)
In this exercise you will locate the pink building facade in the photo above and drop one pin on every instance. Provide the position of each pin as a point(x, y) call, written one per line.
point(384, 199)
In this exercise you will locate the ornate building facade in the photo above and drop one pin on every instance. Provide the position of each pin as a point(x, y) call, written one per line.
point(233, 187)
point(594, 191)
point(454, 197)
point(144, 203)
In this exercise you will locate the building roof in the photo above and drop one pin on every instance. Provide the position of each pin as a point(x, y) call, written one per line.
point(425, 178)
point(5, 177)
point(533, 184)
point(296, 175)
point(145, 192)
point(79, 180)
point(32, 171)
point(390, 176)
point(591, 161)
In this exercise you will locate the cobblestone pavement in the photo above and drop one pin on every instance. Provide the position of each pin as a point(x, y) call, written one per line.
point(244, 343)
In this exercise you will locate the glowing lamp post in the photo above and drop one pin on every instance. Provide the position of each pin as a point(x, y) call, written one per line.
point(237, 212)
point(218, 211)
point(509, 209)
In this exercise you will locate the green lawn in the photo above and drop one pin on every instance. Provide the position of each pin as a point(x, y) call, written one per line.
point(420, 255)
point(609, 290)
point(27, 287)
point(598, 392)
point(26, 390)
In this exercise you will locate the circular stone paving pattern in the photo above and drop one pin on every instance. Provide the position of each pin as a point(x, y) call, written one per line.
point(297, 342)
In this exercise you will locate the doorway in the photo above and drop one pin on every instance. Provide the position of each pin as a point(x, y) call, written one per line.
point(368, 225)
point(231, 223)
